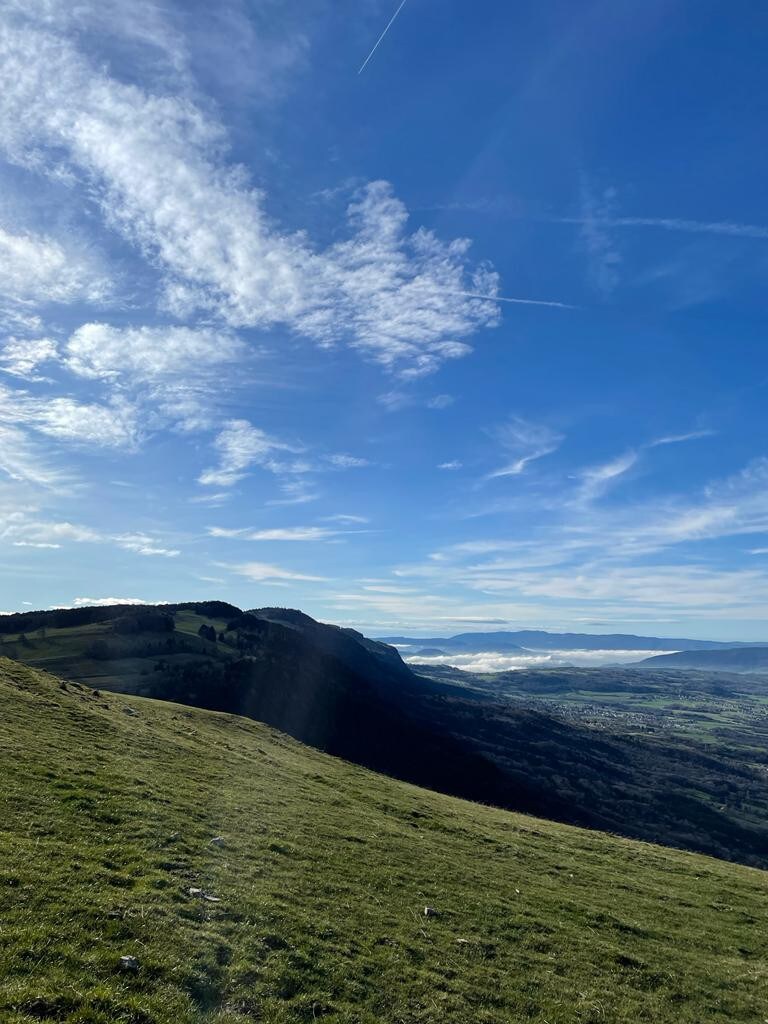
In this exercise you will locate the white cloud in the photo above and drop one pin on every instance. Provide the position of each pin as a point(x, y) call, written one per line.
point(667, 586)
point(148, 354)
point(495, 661)
point(22, 461)
point(453, 464)
point(240, 446)
point(399, 298)
point(297, 492)
point(177, 374)
point(20, 357)
point(36, 268)
point(288, 533)
point(346, 461)
point(23, 529)
point(20, 530)
point(440, 402)
point(341, 517)
point(96, 602)
point(580, 556)
point(522, 442)
point(693, 435)
point(731, 229)
point(155, 161)
point(597, 479)
point(603, 255)
point(143, 545)
point(65, 419)
point(261, 572)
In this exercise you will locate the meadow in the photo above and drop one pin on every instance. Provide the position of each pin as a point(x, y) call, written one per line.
point(256, 879)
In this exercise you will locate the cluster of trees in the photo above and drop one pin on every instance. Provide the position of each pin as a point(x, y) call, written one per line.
point(149, 620)
point(62, 618)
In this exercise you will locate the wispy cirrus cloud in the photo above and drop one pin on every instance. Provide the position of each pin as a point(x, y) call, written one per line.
point(26, 529)
point(262, 572)
point(407, 300)
point(149, 355)
point(595, 480)
point(730, 229)
point(604, 257)
point(522, 442)
point(285, 533)
point(240, 445)
point(174, 374)
point(22, 357)
point(23, 461)
point(38, 268)
point(346, 461)
point(622, 560)
point(693, 435)
point(113, 425)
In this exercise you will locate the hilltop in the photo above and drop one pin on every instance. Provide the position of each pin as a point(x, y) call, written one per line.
point(355, 698)
point(256, 879)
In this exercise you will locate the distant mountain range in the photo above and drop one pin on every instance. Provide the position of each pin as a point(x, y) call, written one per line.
point(506, 641)
point(743, 659)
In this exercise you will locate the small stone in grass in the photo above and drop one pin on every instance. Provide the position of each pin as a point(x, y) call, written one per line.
point(430, 912)
point(217, 841)
point(130, 711)
point(129, 963)
point(203, 895)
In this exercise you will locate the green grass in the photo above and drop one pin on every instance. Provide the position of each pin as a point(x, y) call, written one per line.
point(107, 820)
point(64, 651)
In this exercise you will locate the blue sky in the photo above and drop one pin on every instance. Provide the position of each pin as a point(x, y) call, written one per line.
point(471, 338)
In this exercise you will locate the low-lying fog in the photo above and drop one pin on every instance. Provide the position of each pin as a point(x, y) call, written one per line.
point(495, 661)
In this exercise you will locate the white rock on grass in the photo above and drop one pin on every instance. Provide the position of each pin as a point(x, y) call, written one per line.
point(129, 963)
point(203, 895)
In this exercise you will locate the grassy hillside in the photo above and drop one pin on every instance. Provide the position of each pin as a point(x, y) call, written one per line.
point(318, 888)
point(354, 698)
point(92, 651)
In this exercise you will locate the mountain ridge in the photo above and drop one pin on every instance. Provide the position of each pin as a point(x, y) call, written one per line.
point(542, 640)
point(736, 659)
point(355, 698)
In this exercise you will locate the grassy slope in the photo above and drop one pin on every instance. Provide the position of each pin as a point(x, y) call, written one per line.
point(62, 651)
point(106, 822)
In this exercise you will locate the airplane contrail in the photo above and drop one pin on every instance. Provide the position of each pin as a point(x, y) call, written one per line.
point(376, 44)
point(521, 302)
